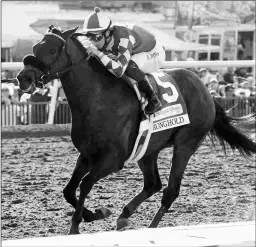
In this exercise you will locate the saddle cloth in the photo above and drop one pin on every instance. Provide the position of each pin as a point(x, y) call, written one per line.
point(173, 112)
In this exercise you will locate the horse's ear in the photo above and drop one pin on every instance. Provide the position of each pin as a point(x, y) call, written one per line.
point(50, 28)
point(69, 33)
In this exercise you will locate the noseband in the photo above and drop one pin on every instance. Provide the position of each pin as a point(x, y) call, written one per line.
point(51, 76)
point(47, 77)
point(36, 83)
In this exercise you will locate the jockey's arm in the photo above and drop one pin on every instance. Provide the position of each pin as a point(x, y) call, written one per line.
point(118, 67)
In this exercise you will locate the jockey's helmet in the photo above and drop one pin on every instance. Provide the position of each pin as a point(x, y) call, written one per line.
point(96, 22)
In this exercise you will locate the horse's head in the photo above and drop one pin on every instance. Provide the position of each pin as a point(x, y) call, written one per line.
point(30, 76)
point(52, 46)
point(53, 54)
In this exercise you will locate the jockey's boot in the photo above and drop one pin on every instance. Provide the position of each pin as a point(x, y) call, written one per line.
point(154, 103)
point(144, 86)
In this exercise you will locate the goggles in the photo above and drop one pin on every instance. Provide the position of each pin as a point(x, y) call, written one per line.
point(95, 37)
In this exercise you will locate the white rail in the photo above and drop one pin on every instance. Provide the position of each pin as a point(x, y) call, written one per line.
point(168, 64)
point(207, 64)
point(12, 66)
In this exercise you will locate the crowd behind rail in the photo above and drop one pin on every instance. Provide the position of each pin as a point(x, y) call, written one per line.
point(232, 87)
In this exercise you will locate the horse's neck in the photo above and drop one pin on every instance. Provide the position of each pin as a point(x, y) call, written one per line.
point(79, 88)
point(87, 88)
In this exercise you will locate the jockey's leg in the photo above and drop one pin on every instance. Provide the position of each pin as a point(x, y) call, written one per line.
point(144, 85)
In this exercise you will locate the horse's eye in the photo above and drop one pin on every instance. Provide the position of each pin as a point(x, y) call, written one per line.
point(53, 51)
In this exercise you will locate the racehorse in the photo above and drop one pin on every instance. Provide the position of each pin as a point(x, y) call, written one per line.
point(105, 121)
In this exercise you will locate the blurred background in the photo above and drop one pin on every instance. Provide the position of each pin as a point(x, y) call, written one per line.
point(189, 31)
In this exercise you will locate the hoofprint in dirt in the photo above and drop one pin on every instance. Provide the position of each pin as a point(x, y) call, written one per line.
point(37, 164)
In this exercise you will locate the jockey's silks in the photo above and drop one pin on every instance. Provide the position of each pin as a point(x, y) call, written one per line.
point(126, 43)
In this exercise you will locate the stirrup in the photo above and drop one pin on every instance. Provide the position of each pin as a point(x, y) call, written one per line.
point(157, 107)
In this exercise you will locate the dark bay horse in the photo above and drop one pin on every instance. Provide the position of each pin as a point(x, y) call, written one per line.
point(105, 122)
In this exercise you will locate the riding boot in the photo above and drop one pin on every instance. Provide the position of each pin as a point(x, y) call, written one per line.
point(138, 75)
point(154, 103)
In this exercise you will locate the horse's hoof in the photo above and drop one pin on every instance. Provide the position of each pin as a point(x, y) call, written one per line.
point(73, 232)
point(103, 213)
point(121, 223)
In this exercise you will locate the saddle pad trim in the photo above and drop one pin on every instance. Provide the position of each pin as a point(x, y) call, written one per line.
point(144, 126)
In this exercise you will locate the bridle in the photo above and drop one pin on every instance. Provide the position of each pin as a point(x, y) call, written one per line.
point(56, 75)
point(45, 78)
point(36, 83)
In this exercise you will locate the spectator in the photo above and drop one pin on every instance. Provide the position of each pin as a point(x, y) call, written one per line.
point(229, 91)
point(4, 76)
point(15, 96)
point(242, 93)
point(228, 78)
point(5, 95)
point(253, 91)
point(222, 83)
point(246, 87)
point(221, 89)
point(241, 72)
point(205, 75)
point(213, 84)
point(214, 93)
point(251, 81)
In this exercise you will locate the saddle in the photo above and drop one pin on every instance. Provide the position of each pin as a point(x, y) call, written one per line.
point(173, 112)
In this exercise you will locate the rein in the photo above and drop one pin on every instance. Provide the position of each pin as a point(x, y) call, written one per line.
point(56, 75)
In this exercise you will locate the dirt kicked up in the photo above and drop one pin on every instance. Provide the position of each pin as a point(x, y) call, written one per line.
point(37, 162)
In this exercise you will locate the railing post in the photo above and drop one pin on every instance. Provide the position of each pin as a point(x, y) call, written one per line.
point(28, 114)
point(53, 102)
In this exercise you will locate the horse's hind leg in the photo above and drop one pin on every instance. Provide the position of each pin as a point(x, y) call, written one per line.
point(184, 147)
point(81, 169)
point(152, 184)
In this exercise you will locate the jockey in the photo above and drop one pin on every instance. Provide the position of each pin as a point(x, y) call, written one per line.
point(125, 50)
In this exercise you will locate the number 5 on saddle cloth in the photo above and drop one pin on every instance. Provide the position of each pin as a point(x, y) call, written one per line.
point(172, 114)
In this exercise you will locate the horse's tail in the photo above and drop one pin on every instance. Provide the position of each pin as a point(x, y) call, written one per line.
point(226, 130)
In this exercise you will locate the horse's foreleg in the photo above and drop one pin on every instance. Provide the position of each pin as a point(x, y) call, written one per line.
point(152, 184)
point(183, 150)
point(100, 170)
point(81, 169)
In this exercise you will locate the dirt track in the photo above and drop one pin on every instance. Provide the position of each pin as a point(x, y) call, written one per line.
point(38, 161)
